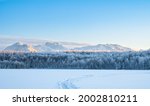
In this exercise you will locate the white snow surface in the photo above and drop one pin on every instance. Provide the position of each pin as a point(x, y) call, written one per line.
point(74, 79)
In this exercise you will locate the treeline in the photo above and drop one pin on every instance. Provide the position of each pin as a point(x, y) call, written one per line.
point(76, 60)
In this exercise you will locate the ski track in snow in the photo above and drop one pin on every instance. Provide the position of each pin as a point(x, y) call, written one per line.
point(69, 83)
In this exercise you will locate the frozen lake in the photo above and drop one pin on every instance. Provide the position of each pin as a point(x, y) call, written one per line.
point(74, 79)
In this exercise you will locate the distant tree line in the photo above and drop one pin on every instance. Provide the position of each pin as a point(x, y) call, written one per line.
point(76, 60)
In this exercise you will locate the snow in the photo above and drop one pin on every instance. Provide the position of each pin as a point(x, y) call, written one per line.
point(74, 79)
point(50, 46)
point(104, 48)
point(5, 42)
point(20, 47)
point(61, 46)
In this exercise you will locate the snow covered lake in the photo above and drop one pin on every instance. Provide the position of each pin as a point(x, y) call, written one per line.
point(74, 79)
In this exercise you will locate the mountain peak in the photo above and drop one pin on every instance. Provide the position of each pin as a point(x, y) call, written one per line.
point(18, 43)
point(104, 48)
point(19, 47)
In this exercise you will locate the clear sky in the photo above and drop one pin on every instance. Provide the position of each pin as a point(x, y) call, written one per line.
point(124, 22)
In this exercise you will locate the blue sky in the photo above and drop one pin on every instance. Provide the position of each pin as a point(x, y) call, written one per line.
point(124, 22)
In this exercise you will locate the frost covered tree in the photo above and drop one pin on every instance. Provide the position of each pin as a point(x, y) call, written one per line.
point(76, 60)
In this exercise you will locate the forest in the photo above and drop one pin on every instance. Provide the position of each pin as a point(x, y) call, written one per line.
point(76, 60)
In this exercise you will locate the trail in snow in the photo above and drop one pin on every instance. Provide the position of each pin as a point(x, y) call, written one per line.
point(73, 79)
point(70, 83)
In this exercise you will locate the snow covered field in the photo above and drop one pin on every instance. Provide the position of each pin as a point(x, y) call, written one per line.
point(74, 79)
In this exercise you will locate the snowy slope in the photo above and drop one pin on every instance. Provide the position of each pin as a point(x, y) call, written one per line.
point(105, 48)
point(18, 47)
point(50, 46)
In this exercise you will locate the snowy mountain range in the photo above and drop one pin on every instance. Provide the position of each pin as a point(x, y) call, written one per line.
point(5, 42)
point(105, 48)
point(56, 46)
